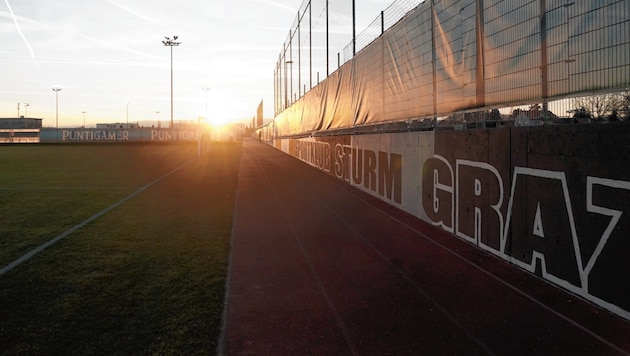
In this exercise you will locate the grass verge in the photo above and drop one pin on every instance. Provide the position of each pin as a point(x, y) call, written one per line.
point(148, 277)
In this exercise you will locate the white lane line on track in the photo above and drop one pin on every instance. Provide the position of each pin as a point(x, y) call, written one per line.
point(338, 319)
point(49, 243)
point(457, 255)
point(399, 271)
point(498, 279)
point(413, 283)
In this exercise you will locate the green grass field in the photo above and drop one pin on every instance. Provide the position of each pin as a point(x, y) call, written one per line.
point(146, 277)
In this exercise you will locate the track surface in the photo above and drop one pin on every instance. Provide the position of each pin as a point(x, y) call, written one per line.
point(320, 268)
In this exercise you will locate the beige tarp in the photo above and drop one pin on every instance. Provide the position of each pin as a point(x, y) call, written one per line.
point(429, 65)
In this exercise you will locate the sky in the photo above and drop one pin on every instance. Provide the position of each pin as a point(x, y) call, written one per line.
point(108, 58)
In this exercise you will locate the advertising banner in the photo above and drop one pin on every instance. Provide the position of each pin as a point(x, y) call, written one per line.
point(553, 200)
point(84, 135)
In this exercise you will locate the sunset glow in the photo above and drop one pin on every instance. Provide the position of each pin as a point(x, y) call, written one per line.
point(121, 73)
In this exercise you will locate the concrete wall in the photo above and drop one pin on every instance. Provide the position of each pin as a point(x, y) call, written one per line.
point(553, 200)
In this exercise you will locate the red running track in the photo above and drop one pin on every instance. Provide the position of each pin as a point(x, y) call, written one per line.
point(320, 268)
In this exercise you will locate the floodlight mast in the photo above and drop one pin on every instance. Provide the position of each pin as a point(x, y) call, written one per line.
point(171, 43)
point(57, 89)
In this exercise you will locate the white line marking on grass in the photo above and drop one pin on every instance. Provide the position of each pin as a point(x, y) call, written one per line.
point(20, 189)
point(42, 247)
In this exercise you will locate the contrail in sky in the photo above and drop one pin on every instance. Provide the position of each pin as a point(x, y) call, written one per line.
point(21, 34)
point(277, 4)
point(130, 11)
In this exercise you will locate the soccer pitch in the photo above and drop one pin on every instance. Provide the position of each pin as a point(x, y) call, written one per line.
point(141, 258)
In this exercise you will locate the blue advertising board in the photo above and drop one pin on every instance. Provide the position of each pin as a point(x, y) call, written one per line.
point(79, 135)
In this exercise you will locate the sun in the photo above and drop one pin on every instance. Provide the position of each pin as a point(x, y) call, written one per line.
point(213, 123)
point(217, 121)
point(216, 118)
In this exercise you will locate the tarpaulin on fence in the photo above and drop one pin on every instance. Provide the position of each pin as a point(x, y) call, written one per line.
point(453, 55)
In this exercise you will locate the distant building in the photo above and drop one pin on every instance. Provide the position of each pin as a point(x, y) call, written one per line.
point(523, 119)
point(535, 116)
point(117, 126)
point(20, 130)
point(20, 123)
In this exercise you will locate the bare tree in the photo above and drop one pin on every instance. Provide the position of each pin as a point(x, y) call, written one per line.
point(601, 106)
point(625, 105)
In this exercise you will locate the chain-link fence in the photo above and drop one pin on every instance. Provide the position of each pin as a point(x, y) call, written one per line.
point(388, 18)
point(321, 33)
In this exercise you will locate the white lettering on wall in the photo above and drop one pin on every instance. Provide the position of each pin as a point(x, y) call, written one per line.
point(538, 231)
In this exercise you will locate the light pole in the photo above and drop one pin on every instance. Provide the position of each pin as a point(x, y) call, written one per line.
point(206, 89)
point(127, 115)
point(84, 112)
point(171, 43)
point(26, 105)
point(290, 62)
point(57, 89)
point(286, 99)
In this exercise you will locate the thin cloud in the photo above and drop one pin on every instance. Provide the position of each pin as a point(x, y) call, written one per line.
point(241, 48)
point(279, 5)
point(131, 12)
point(131, 50)
point(17, 26)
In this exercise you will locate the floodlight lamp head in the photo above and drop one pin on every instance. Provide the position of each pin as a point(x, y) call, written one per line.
point(170, 42)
